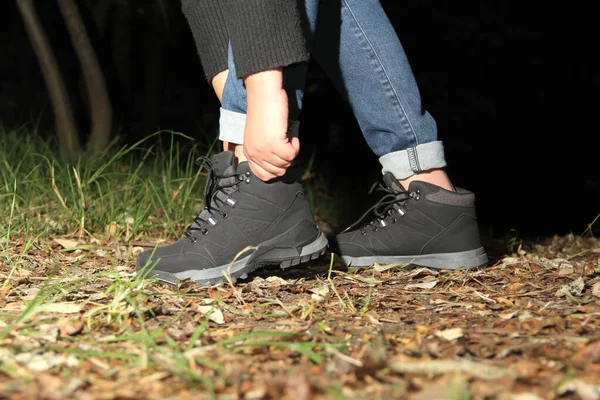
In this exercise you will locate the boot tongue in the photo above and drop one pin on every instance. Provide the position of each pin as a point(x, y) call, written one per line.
point(392, 183)
point(224, 163)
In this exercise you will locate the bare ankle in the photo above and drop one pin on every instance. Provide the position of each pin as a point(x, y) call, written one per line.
point(436, 177)
point(237, 149)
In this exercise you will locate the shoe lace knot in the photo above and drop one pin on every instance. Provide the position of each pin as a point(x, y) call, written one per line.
point(217, 190)
point(383, 212)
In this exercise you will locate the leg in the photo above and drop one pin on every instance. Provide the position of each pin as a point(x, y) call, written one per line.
point(421, 218)
point(218, 84)
point(370, 69)
point(246, 223)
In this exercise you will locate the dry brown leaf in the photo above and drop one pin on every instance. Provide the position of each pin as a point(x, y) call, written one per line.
point(62, 308)
point(596, 289)
point(508, 315)
point(422, 285)
point(450, 334)
point(66, 243)
point(111, 229)
point(68, 327)
point(438, 367)
point(214, 314)
point(585, 390)
point(573, 288)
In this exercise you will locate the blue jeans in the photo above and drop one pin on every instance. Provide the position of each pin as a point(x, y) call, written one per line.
point(357, 47)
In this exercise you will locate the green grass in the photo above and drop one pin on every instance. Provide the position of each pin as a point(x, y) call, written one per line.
point(118, 328)
point(142, 192)
point(150, 188)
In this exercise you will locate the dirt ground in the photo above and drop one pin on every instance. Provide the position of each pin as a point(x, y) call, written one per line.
point(77, 324)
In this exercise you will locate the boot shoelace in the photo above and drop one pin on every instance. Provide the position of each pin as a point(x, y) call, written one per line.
point(384, 209)
point(216, 194)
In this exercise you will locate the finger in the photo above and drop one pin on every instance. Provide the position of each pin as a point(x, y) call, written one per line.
point(295, 142)
point(276, 160)
point(264, 158)
point(260, 172)
point(270, 168)
point(286, 150)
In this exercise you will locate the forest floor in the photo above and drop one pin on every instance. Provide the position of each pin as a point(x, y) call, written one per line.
point(77, 323)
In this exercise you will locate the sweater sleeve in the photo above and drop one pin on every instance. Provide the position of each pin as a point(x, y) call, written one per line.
point(264, 34)
point(207, 23)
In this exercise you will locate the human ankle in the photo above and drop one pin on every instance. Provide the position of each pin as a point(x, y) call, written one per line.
point(436, 177)
point(237, 149)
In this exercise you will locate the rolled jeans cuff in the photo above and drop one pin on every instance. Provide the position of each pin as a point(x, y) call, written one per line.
point(405, 163)
point(231, 126)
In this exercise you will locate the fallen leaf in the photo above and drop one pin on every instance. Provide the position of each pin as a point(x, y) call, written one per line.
point(560, 263)
point(573, 288)
point(596, 289)
point(276, 281)
point(438, 367)
point(584, 390)
point(68, 327)
point(422, 285)
point(50, 383)
point(515, 287)
point(320, 290)
point(506, 261)
point(385, 267)
point(66, 243)
point(565, 271)
point(44, 361)
point(214, 314)
point(316, 297)
point(62, 308)
point(507, 315)
point(373, 318)
point(50, 333)
point(450, 334)
point(588, 355)
point(271, 281)
point(111, 229)
point(519, 396)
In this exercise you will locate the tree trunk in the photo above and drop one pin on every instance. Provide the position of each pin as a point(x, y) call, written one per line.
point(100, 107)
point(65, 123)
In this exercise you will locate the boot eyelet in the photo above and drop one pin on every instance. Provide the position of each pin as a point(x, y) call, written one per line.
point(247, 180)
point(363, 232)
point(241, 177)
point(204, 231)
point(247, 173)
point(394, 220)
point(225, 215)
point(193, 239)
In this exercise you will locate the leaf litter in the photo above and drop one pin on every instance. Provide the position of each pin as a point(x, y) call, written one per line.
point(76, 323)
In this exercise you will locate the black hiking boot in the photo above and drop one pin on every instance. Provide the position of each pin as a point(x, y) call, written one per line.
point(426, 225)
point(246, 224)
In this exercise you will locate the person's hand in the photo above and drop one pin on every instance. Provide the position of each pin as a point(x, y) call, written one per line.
point(266, 145)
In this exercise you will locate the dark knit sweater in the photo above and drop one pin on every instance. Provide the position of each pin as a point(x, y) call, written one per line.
point(264, 34)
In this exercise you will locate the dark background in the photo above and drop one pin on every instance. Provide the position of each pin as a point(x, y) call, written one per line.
point(513, 87)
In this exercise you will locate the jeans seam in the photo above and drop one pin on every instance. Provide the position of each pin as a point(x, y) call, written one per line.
point(413, 159)
point(386, 75)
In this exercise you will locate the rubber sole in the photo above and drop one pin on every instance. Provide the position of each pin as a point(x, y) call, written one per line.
point(266, 254)
point(462, 259)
